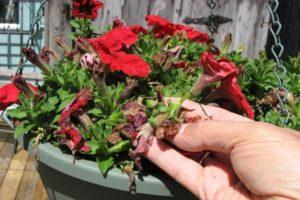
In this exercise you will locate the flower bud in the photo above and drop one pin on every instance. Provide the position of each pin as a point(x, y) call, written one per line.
point(90, 61)
point(20, 83)
point(290, 99)
point(36, 60)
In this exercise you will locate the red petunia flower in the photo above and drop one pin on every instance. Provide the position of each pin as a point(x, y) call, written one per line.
point(191, 33)
point(162, 27)
point(9, 93)
point(136, 29)
point(87, 9)
point(130, 64)
point(111, 49)
point(225, 71)
point(114, 40)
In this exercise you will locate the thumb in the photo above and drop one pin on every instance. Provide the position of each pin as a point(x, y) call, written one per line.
point(219, 136)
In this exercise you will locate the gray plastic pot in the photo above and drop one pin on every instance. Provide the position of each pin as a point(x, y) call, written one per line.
point(63, 180)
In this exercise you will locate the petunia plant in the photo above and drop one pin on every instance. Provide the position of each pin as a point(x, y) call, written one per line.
point(105, 97)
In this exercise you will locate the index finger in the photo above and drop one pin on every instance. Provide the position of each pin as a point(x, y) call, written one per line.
point(185, 171)
point(215, 113)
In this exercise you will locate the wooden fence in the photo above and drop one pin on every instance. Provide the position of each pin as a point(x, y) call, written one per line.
point(249, 25)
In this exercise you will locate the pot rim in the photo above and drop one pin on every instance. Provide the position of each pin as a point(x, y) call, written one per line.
point(87, 170)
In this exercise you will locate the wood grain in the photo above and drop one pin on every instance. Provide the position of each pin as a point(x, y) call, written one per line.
point(29, 181)
point(14, 176)
point(6, 154)
point(57, 23)
point(40, 192)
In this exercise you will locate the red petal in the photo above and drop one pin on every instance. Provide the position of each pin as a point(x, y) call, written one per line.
point(9, 95)
point(114, 39)
point(163, 27)
point(214, 71)
point(137, 29)
point(86, 8)
point(230, 90)
point(130, 64)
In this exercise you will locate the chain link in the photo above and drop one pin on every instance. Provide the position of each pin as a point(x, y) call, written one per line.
point(211, 26)
point(279, 71)
point(34, 29)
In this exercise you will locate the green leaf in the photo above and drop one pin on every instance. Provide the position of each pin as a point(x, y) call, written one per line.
point(105, 163)
point(120, 147)
point(55, 119)
point(75, 24)
point(94, 146)
point(17, 113)
point(96, 112)
point(64, 104)
point(50, 105)
point(63, 94)
point(23, 128)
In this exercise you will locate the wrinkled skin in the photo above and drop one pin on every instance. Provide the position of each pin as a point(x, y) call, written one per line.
point(249, 160)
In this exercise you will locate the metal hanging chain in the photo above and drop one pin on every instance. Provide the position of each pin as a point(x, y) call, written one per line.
point(34, 29)
point(279, 71)
point(211, 26)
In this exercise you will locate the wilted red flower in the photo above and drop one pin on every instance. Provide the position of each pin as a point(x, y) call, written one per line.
point(162, 27)
point(26, 88)
point(230, 90)
point(87, 9)
point(73, 138)
point(117, 22)
point(110, 48)
point(225, 71)
point(36, 60)
point(76, 107)
point(135, 114)
point(137, 29)
point(214, 71)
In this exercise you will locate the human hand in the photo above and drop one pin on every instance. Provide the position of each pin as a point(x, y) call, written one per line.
point(249, 160)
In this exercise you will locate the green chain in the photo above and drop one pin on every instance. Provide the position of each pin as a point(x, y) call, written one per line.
point(34, 29)
point(279, 71)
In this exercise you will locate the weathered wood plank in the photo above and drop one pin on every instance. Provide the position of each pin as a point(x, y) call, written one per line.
point(110, 10)
point(10, 185)
point(163, 8)
point(57, 23)
point(134, 12)
point(3, 137)
point(40, 192)
point(6, 73)
point(6, 155)
point(29, 181)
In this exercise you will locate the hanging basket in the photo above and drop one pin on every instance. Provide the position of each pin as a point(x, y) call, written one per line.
point(105, 98)
point(63, 180)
